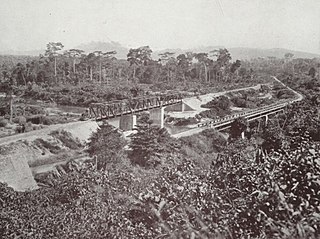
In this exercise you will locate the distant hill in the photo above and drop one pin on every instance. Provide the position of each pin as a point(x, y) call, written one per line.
point(179, 51)
point(244, 53)
point(22, 53)
point(104, 47)
point(241, 53)
point(87, 47)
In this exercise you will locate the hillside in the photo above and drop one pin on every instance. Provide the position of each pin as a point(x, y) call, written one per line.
point(87, 47)
point(242, 53)
point(105, 46)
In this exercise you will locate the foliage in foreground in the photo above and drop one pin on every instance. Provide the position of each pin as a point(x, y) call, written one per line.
point(242, 193)
point(268, 196)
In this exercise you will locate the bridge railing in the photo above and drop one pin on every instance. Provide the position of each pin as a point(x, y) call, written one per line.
point(128, 106)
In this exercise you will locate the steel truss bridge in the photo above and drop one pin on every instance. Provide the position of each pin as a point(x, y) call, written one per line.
point(112, 109)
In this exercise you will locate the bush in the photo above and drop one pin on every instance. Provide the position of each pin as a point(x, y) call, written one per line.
point(67, 139)
point(3, 122)
point(239, 102)
point(22, 120)
point(43, 144)
point(214, 113)
point(221, 102)
point(183, 121)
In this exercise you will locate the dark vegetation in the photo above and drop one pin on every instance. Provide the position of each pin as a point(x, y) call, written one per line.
point(202, 186)
point(250, 99)
point(63, 141)
point(72, 77)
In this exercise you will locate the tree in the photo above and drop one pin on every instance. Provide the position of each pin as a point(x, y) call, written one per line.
point(203, 59)
point(90, 60)
point(107, 144)
point(74, 54)
point(272, 135)
point(312, 72)
point(164, 59)
point(134, 60)
point(149, 144)
point(100, 56)
point(183, 63)
point(235, 66)
point(7, 87)
point(52, 51)
point(238, 126)
point(139, 56)
point(223, 57)
point(288, 55)
point(19, 72)
point(109, 57)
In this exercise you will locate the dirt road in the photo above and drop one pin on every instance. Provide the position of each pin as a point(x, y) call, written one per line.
point(79, 129)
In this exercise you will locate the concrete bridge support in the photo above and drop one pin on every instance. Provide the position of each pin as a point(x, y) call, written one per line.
point(127, 122)
point(183, 106)
point(266, 119)
point(157, 116)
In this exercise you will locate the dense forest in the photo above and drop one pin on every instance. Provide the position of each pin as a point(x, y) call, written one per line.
point(155, 186)
point(99, 76)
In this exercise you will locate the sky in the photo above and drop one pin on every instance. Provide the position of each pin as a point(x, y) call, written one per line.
point(291, 24)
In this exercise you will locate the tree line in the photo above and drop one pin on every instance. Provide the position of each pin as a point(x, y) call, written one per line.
point(74, 66)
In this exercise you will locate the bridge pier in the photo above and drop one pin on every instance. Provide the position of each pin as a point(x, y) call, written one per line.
point(127, 122)
point(157, 116)
point(183, 106)
point(266, 119)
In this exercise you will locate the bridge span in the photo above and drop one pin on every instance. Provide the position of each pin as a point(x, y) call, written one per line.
point(225, 122)
point(127, 108)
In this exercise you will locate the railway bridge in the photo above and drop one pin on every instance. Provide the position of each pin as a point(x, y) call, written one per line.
point(225, 122)
point(128, 108)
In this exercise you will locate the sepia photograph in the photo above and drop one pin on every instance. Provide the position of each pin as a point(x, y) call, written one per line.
point(155, 119)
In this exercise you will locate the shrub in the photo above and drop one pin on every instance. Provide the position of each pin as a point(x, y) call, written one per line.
point(43, 144)
point(221, 102)
point(183, 121)
point(3, 122)
point(67, 139)
point(47, 120)
point(214, 113)
point(239, 102)
point(22, 120)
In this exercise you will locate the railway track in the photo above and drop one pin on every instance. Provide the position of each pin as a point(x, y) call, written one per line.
point(224, 123)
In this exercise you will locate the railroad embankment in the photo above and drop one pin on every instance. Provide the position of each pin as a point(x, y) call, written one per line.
point(19, 153)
